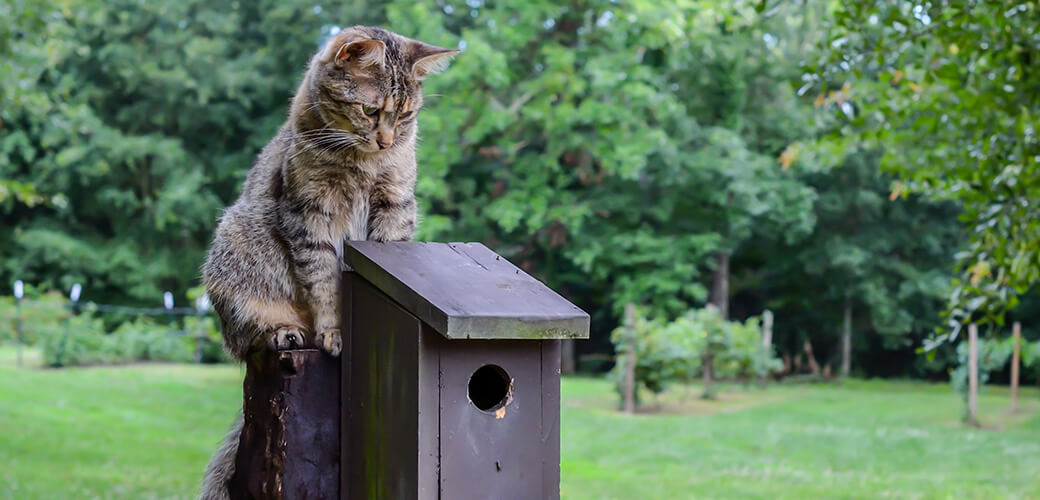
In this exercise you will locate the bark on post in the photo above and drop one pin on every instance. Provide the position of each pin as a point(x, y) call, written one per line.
point(973, 374)
point(1016, 356)
point(290, 444)
point(846, 339)
point(630, 367)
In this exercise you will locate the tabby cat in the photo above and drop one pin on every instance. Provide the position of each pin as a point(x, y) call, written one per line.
point(341, 168)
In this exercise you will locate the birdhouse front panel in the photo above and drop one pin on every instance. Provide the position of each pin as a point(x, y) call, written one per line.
point(499, 406)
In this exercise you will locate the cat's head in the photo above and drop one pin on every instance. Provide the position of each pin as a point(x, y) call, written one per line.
point(366, 86)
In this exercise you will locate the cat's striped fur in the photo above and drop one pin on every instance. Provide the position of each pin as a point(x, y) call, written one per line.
point(341, 168)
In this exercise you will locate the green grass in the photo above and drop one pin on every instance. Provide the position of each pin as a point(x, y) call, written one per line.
point(146, 431)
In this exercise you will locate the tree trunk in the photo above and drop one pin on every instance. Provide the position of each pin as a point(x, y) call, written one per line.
point(809, 358)
point(720, 284)
point(973, 375)
point(706, 370)
point(846, 339)
point(630, 367)
point(567, 357)
point(1016, 356)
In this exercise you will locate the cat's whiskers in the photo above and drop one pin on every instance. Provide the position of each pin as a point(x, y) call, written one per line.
point(334, 141)
point(314, 105)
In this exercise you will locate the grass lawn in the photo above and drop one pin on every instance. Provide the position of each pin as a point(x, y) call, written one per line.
point(146, 431)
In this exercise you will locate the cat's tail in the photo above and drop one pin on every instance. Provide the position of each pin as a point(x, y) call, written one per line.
point(222, 466)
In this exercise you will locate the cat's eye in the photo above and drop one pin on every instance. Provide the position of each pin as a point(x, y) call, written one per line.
point(370, 110)
point(406, 115)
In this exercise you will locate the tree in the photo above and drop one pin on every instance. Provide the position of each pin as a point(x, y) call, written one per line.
point(131, 124)
point(611, 149)
point(950, 90)
point(875, 263)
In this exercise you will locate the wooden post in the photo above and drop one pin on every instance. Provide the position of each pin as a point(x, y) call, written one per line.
point(973, 374)
point(767, 339)
point(846, 338)
point(630, 367)
point(18, 327)
point(1016, 353)
point(289, 446)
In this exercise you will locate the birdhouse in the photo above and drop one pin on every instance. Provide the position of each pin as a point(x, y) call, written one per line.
point(450, 375)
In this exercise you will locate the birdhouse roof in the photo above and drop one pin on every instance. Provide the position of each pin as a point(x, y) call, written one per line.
point(466, 291)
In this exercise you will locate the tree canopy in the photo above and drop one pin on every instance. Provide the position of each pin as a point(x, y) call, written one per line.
point(950, 90)
point(667, 155)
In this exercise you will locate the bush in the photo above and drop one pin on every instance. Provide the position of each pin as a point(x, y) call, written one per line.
point(211, 344)
point(85, 342)
point(42, 315)
point(657, 359)
point(673, 351)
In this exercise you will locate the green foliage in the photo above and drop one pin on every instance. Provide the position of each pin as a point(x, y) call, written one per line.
point(42, 313)
point(993, 355)
point(128, 125)
point(948, 89)
point(85, 342)
point(668, 352)
point(205, 331)
point(610, 148)
point(886, 258)
point(616, 150)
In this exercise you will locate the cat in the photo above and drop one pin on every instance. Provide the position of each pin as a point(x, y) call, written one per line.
point(341, 168)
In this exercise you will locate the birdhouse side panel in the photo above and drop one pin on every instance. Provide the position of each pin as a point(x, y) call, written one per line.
point(383, 405)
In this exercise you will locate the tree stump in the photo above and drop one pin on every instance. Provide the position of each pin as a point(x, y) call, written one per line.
point(290, 442)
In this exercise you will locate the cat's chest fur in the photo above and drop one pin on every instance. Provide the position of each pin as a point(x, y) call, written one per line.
point(344, 205)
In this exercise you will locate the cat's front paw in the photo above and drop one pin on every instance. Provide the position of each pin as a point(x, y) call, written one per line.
point(284, 338)
point(330, 341)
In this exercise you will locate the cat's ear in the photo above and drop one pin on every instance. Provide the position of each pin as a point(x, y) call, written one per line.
point(430, 59)
point(361, 54)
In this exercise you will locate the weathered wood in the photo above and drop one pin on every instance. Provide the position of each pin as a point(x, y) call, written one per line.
point(1016, 359)
point(550, 431)
point(289, 447)
point(497, 452)
point(464, 290)
point(973, 374)
point(384, 400)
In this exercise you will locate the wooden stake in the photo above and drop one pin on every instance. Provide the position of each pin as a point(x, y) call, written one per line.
point(630, 368)
point(767, 339)
point(973, 374)
point(1016, 332)
point(846, 338)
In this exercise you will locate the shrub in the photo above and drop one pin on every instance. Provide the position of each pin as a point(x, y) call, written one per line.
point(42, 315)
point(674, 351)
point(85, 342)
